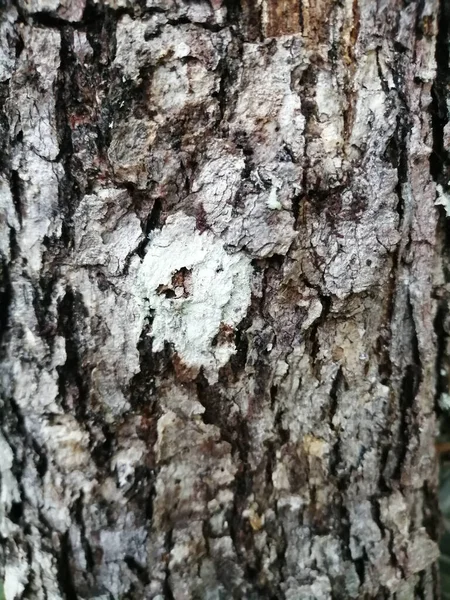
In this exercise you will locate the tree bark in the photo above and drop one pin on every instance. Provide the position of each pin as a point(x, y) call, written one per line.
point(219, 265)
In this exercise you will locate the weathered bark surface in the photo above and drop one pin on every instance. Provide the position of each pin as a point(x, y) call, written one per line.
point(218, 261)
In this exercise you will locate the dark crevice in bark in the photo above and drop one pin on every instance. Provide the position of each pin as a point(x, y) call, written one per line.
point(262, 375)
point(439, 168)
point(14, 422)
point(72, 376)
point(65, 580)
point(77, 513)
point(40, 460)
point(442, 382)
point(142, 386)
point(439, 158)
point(343, 521)
point(152, 223)
point(360, 567)
point(384, 339)
point(48, 20)
point(431, 511)
point(328, 201)
point(229, 67)
point(221, 94)
point(240, 532)
point(384, 83)
point(167, 590)
point(15, 433)
point(296, 203)
point(403, 127)
point(436, 592)
point(313, 343)
point(13, 245)
point(4, 129)
point(74, 380)
point(234, 10)
point(339, 384)
point(5, 301)
point(148, 224)
point(69, 192)
point(213, 27)
point(234, 431)
point(16, 193)
point(273, 396)
point(387, 439)
point(42, 298)
point(239, 358)
point(409, 387)
point(16, 512)
point(139, 570)
point(397, 150)
point(420, 589)
point(101, 442)
point(101, 23)
point(283, 434)
point(143, 399)
point(28, 593)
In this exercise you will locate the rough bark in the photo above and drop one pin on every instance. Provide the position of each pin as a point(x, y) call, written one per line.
point(219, 255)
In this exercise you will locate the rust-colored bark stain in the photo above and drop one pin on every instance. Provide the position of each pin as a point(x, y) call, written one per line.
point(281, 17)
point(314, 18)
point(354, 32)
point(183, 372)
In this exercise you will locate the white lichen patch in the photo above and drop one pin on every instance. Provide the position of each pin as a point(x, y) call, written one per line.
point(195, 289)
point(272, 202)
point(442, 199)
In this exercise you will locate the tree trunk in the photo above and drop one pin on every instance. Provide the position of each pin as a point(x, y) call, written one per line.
point(219, 258)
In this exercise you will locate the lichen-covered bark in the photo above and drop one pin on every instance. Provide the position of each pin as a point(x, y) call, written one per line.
point(218, 269)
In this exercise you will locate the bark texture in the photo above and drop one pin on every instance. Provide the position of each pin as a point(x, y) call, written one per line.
point(218, 258)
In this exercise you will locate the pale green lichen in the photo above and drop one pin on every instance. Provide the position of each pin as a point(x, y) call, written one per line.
point(216, 292)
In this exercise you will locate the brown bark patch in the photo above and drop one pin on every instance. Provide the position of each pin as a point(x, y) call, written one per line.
point(281, 18)
point(314, 18)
